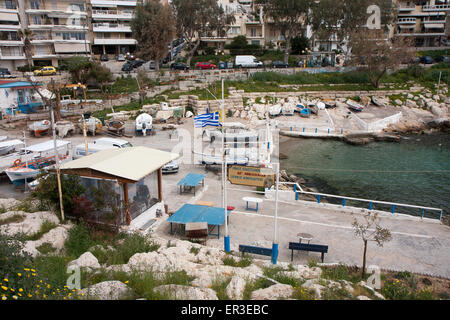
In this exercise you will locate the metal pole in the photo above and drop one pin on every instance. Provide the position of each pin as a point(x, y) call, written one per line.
point(84, 135)
point(224, 164)
point(58, 175)
point(275, 230)
point(26, 158)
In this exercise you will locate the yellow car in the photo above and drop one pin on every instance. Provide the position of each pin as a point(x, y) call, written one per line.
point(45, 71)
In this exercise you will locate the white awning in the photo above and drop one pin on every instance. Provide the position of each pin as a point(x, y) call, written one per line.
point(71, 47)
point(434, 25)
point(406, 26)
point(4, 16)
point(47, 145)
point(10, 143)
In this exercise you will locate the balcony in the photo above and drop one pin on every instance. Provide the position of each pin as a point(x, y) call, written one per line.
point(111, 27)
point(438, 7)
point(115, 41)
point(112, 14)
point(406, 21)
point(8, 7)
point(110, 3)
point(12, 57)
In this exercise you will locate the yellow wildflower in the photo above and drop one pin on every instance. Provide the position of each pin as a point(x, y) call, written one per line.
point(19, 294)
point(33, 274)
point(19, 274)
point(126, 282)
point(30, 295)
point(4, 288)
point(6, 280)
point(26, 269)
point(32, 270)
point(15, 297)
point(3, 298)
point(12, 289)
point(20, 290)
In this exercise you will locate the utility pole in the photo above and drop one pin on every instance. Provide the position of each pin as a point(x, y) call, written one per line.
point(275, 230)
point(224, 176)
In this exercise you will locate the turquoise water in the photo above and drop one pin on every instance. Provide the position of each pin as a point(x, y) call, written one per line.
point(414, 171)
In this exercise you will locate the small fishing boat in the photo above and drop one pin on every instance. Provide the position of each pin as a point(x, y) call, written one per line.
point(115, 126)
point(93, 125)
point(43, 158)
point(313, 107)
point(304, 111)
point(39, 128)
point(330, 104)
point(378, 102)
point(288, 109)
point(275, 110)
point(7, 147)
point(355, 105)
point(144, 123)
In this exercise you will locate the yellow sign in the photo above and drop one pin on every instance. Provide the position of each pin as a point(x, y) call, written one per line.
point(250, 176)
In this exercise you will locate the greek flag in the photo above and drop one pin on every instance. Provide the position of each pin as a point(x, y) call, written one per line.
point(207, 119)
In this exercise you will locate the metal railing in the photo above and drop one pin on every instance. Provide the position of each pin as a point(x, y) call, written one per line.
point(371, 203)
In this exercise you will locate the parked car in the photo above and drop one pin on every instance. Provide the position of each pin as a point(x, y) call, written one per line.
point(442, 59)
point(127, 66)
point(279, 64)
point(151, 65)
point(104, 57)
point(247, 62)
point(45, 71)
point(137, 63)
point(130, 56)
point(206, 65)
point(178, 66)
point(426, 60)
point(120, 57)
point(4, 73)
point(171, 167)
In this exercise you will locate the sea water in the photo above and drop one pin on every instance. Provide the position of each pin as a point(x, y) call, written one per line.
point(414, 171)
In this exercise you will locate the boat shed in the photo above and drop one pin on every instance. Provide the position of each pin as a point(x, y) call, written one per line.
point(134, 174)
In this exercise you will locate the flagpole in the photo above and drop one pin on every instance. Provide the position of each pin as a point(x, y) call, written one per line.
point(275, 229)
point(224, 177)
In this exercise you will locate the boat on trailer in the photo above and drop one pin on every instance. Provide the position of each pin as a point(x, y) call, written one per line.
point(144, 123)
point(39, 128)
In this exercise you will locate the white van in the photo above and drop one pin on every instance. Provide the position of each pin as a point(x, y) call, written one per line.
point(80, 150)
point(247, 62)
point(112, 142)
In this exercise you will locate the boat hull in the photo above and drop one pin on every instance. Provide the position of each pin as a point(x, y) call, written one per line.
point(18, 176)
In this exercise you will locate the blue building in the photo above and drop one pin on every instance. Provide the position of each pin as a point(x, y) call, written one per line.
point(18, 97)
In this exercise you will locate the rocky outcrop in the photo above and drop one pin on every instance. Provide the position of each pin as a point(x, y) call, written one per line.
point(180, 292)
point(86, 260)
point(275, 292)
point(29, 225)
point(106, 290)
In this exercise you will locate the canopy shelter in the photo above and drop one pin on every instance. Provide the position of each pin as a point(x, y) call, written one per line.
point(191, 180)
point(192, 213)
point(47, 146)
point(133, 168)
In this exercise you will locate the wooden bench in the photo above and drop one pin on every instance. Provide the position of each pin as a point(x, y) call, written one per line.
point(255, 250)
point(307, 247)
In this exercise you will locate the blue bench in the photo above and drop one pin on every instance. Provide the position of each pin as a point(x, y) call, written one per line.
point(307, 247)
point(255, 250)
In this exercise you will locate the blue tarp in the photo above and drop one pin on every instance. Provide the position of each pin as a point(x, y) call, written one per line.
point(196, 213)
point(191, 180)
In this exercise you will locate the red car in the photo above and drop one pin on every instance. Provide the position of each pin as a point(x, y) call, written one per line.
point(206, 65)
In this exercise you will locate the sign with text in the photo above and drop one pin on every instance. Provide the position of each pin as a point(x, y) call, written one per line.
point(250, 176)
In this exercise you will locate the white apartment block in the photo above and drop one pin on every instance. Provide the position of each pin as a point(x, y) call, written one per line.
point(427, 22)
point(111, 31)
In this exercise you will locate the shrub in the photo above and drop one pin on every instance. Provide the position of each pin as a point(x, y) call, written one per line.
point(78, 240)
point(395, 290)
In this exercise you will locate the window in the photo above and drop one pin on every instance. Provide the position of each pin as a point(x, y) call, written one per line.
point(37, 20)
point(106, 35)
point(76, 7)
point(34, 4)
point(66, 36)
point(9, 4)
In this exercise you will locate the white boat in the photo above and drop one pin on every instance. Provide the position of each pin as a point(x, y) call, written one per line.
point(9, 146)
point(144, 123)
point(378, 102)
point(39, 128)
point(288, 109)
point(43, 158)
point(93, 125)
point(355, 105)
point(275, 110)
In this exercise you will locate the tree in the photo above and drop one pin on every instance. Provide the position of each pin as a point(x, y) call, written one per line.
point(375, 55)
point(346, 17)
point(78, 67)
point(289, 16)
point(199, 18)
point(299, 44)
point(370, 230)
point(153, 26)
point(27, 36)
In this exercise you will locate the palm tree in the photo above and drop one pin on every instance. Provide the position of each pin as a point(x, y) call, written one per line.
point(27, 36)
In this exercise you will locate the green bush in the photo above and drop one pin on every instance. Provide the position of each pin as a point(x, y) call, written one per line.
point(78, 240)
point(395, 290)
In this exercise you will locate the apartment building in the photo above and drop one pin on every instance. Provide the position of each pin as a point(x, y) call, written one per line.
point(59, 30)
point(427, 22)
point(248, 22)
point(111, 31)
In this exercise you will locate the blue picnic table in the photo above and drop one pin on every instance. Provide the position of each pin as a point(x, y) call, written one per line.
point(190, 181)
